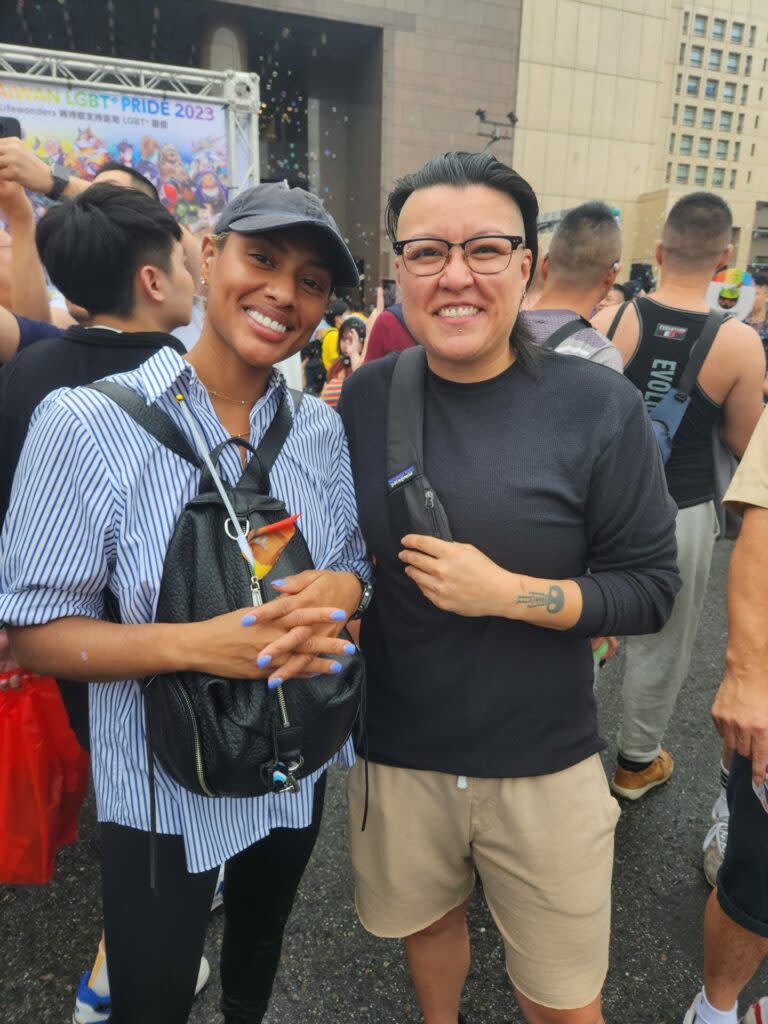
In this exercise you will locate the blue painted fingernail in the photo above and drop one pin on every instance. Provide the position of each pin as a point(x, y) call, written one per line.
point(248, 620)
point(339, 615)
point(278, 583)
point(350, 649)
point(335, 667)
point(263, 660)
point(274, 683)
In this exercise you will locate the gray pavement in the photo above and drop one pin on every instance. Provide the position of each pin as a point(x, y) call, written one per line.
point(333, 971)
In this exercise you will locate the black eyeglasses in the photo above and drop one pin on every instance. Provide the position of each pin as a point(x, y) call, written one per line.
point(484, 254)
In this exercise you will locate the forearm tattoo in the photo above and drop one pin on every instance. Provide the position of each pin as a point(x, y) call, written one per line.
point(553, 600)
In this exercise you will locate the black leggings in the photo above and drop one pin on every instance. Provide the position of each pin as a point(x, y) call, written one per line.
point(154, 942)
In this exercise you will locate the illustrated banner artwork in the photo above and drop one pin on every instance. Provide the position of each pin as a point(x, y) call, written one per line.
point(179, 144)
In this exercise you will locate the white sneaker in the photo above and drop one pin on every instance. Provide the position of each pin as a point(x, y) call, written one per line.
point(757, 1013)
point(218, 894)
point(690, 1017)
point(91, 1008)
point(715, 840)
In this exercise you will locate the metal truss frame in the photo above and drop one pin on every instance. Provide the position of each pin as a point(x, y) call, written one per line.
point(237, 91)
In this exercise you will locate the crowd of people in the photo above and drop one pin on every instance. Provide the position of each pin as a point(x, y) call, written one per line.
point(488, 489)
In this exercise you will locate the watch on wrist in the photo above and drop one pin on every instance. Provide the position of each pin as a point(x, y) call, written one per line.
point(61, 178)
point(366, 596)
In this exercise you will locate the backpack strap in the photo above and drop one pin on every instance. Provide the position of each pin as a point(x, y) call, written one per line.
point(562, 333)
point(700, 350)
point(278, 430)
point(405, 421)
point(616, 320)
point(149, 418)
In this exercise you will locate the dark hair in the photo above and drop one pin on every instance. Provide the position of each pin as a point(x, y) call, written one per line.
point(697, 230)
point(337, 308)
point(460, 169)
point(143, 184)
point(585, 244)
point(761, 280)
point(356, 322)
point(93, 246)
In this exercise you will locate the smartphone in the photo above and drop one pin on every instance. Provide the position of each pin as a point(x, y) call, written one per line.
point(10, 128)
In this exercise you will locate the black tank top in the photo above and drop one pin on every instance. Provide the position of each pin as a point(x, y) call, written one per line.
point(667, 336)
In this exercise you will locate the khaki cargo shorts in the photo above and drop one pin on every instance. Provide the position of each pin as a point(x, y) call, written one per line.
point(542, 846)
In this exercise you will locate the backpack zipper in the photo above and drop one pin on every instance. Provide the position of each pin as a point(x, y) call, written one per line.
point(198, 747)
point(429, 504)
point(258, 600)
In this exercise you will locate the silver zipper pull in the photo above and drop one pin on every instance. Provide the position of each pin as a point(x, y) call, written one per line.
point(429, 499)
point(256, 592)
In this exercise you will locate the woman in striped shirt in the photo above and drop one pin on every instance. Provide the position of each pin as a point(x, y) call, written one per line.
point(108, 496)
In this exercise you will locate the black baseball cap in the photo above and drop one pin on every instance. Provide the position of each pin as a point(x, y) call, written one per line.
point(272, 206)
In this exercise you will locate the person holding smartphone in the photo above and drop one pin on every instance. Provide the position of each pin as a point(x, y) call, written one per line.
point(351, 343)
point(482, 729)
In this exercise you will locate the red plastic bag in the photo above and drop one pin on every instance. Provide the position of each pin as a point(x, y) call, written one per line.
point(43, 780)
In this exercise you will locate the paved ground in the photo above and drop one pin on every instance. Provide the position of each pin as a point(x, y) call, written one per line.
point(333, 972)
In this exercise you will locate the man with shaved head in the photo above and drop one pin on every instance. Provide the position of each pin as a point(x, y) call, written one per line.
point(576, 274)
point(655, 337)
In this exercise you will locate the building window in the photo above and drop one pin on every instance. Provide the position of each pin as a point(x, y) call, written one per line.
point(757, 122)
point(722, 149)
point(736, 150)
point(710, 90)
point(700, 177)
point(707, 117)
point(737, 32)
point(683, 173)
point(686, 19)
point(744, 95)
point(699, 25)
point(749, 177)
point(689, 116)
point(686, 145)
point(693, 85)
point(718, 28)
point(765, 64)
point(748, 64)
point(681, 56)
point(734, 59)
point(715, 59)
point(752, 34)
point(668, 173)
point(704, 146)
point(740, 123)
point(678, 84)
point(732, 182)
point(729, 92)
point(718, 177)
point(675, 110)
point(726, 120)
point(672, 142)
point(752, 150)
point(760, 94)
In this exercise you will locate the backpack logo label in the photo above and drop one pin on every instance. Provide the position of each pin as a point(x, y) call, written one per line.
point(670, 333)
point(403, 477)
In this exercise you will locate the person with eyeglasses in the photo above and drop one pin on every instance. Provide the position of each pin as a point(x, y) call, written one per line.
point(483, 749)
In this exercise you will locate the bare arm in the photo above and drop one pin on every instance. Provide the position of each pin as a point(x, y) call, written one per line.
point(9, 335)
point(743, 404)
point(18, 163)
point(627, 333)
point(740, 710)
point(87, 649)
point(29, 295)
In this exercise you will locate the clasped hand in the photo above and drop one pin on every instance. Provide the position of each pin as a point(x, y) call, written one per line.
point(296, 635)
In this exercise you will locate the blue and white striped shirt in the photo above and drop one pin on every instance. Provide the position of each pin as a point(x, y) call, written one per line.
point(95, 501)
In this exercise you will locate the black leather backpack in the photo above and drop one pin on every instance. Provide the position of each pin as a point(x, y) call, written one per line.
point(234, 737)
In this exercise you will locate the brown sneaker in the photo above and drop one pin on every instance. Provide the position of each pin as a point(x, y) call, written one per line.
point(633, 785)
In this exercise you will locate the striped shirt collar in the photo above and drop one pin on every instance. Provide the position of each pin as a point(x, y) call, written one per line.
point(166, 370)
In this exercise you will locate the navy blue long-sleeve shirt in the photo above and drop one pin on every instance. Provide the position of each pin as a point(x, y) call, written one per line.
point(553, 473)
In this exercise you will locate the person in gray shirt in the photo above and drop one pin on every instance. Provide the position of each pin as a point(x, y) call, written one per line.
point(579, 270)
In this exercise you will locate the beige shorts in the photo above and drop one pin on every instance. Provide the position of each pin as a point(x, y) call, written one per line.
point(543, 847)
